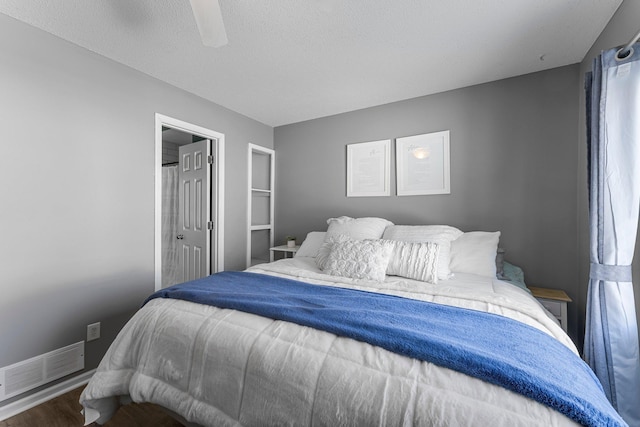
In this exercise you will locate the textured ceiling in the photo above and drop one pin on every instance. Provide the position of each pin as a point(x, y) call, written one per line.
point(294, 60)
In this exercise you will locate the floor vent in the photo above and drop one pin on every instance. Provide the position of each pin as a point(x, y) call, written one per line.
point(29, 374)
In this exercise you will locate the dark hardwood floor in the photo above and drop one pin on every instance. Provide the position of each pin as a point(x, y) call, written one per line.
point(64, 411)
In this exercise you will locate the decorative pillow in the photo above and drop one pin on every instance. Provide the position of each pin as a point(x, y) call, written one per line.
point(475, 252)
point(418, 261)
point(359, 259)
point(440, 234)
point(357, 228)
point(500, 263)
point(325, 249)
point(514, 275)
point(311, 244)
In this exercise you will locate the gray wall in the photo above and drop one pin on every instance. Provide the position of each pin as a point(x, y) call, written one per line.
point(621, 28)
point(77, 189)
point(513, 169)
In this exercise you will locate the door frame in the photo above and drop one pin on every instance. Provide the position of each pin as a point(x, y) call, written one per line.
point(217, 208)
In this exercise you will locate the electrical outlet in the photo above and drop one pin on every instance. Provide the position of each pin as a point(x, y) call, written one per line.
point(93, 331)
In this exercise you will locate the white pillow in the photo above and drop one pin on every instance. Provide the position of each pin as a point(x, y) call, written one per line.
point(475, 252)
point(440, 234)
point(357, 228)
point(359, 259)
point(418, 261)
point(325, 249)
point(311, 244)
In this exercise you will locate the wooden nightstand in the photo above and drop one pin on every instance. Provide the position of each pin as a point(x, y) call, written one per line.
point(554, 300)
point(284, 249)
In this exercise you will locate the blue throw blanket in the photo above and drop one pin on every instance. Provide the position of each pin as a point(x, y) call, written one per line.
point(492, 348)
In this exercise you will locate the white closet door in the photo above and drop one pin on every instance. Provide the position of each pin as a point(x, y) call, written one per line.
point(194, 210)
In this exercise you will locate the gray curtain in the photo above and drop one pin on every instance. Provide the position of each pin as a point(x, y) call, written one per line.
point(613, 135)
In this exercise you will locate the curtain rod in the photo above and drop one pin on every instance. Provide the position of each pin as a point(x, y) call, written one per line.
point(626, 50)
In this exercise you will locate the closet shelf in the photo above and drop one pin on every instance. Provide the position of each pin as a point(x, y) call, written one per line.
point(261, 227)
point(260, 190)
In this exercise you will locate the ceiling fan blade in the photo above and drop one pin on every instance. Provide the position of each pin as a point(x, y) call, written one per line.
point(209, 21)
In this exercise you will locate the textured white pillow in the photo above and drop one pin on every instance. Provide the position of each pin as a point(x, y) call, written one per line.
point(359, 259)
point(311, 244)
point(440, 234)
point(325, 249)
point(357, 228)
point(475, 252)
point(418, 261)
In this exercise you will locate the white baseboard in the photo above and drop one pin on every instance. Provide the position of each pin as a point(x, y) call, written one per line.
point(28, 402)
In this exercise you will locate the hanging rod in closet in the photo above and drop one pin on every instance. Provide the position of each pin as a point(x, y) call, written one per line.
point(626, 50)
point(170, 164)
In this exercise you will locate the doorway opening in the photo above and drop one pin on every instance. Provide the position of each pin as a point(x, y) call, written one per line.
point(189, 195)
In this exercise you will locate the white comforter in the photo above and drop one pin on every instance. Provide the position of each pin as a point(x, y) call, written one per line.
point(219, 367)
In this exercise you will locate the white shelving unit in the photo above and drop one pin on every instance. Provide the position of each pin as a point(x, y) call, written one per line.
point(260, 204)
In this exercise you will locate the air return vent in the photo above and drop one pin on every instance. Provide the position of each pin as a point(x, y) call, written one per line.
point(28, 374)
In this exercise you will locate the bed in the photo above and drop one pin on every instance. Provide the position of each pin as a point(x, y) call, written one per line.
point(239, 357)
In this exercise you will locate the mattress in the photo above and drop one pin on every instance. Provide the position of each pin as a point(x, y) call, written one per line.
point(219, 367)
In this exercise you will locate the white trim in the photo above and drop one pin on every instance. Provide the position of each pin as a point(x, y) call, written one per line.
point(218, 209)
point(219, 231)
point(28, 402)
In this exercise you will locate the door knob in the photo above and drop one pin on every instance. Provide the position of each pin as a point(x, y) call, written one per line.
point(180, 236)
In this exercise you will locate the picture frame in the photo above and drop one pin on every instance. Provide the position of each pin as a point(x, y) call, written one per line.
point(422, 164)
point(368, 169)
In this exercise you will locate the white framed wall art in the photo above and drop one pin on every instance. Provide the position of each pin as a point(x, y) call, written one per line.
point(422, 164)
point(368, 165)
